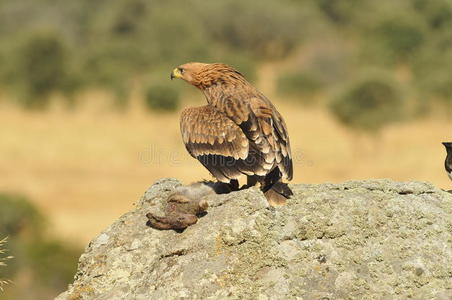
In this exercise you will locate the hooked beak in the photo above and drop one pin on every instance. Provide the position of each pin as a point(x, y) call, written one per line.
point(175, 74)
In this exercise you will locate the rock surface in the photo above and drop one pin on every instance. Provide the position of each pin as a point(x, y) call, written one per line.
point(375, 239)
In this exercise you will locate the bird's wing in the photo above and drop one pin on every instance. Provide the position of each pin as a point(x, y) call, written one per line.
point(448, 161)
point(215, 140)
point(282, 138)
point(266, 130)
point(207, 131)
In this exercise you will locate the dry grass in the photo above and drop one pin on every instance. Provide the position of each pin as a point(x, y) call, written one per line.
point(3, 260)
point(86, 168)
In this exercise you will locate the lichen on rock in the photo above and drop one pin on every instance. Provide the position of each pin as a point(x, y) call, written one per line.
point(375, 239)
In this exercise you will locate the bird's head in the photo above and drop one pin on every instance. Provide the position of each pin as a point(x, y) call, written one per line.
point(203, 75)
point(189, 72)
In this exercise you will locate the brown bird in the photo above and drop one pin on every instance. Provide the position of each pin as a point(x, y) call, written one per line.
point(239, 131)
point(448, 160)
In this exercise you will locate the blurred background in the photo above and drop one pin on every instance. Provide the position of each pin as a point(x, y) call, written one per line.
point(89, 118)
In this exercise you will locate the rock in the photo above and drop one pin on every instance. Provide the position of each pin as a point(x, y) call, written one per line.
point(375, 239)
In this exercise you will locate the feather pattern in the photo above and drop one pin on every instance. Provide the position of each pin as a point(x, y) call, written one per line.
point(239, 131)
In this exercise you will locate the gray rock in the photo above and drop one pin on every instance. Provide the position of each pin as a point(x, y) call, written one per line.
point(375, 239)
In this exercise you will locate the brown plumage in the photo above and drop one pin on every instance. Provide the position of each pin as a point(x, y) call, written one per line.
point(239, 131)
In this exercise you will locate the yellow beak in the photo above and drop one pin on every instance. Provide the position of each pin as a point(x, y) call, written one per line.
point(176, 74)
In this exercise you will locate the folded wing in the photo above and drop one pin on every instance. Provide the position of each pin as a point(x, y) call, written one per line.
point(238, 138)
point(216, 141)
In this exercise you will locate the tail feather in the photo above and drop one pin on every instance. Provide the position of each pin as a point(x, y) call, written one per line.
point(277, 194)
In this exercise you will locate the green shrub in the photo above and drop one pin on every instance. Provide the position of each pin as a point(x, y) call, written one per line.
point(432, 72)
point(3, 260)
point(395, 40)
point(40, 68)
point(266, 29)
point(368, 104)
point(18, 216)
point(48, 263)
point(338, 11)
point(438, 13)
point(52, 262)
point(244, 64)
point(161, 97)
point(112, 44)
point(298, 84)
point(438, 84)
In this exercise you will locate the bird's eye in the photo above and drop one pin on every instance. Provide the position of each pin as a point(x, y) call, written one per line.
point(181, 70)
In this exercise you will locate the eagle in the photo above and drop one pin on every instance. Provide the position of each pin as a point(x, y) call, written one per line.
point(239, 131)
point(448, 160)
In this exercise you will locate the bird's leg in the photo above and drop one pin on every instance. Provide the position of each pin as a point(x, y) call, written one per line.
point(250, 182)
point(234, 185)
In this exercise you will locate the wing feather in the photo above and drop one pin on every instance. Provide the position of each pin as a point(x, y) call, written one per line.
point(238, 136)
point(206, 131)
point(265, 129)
